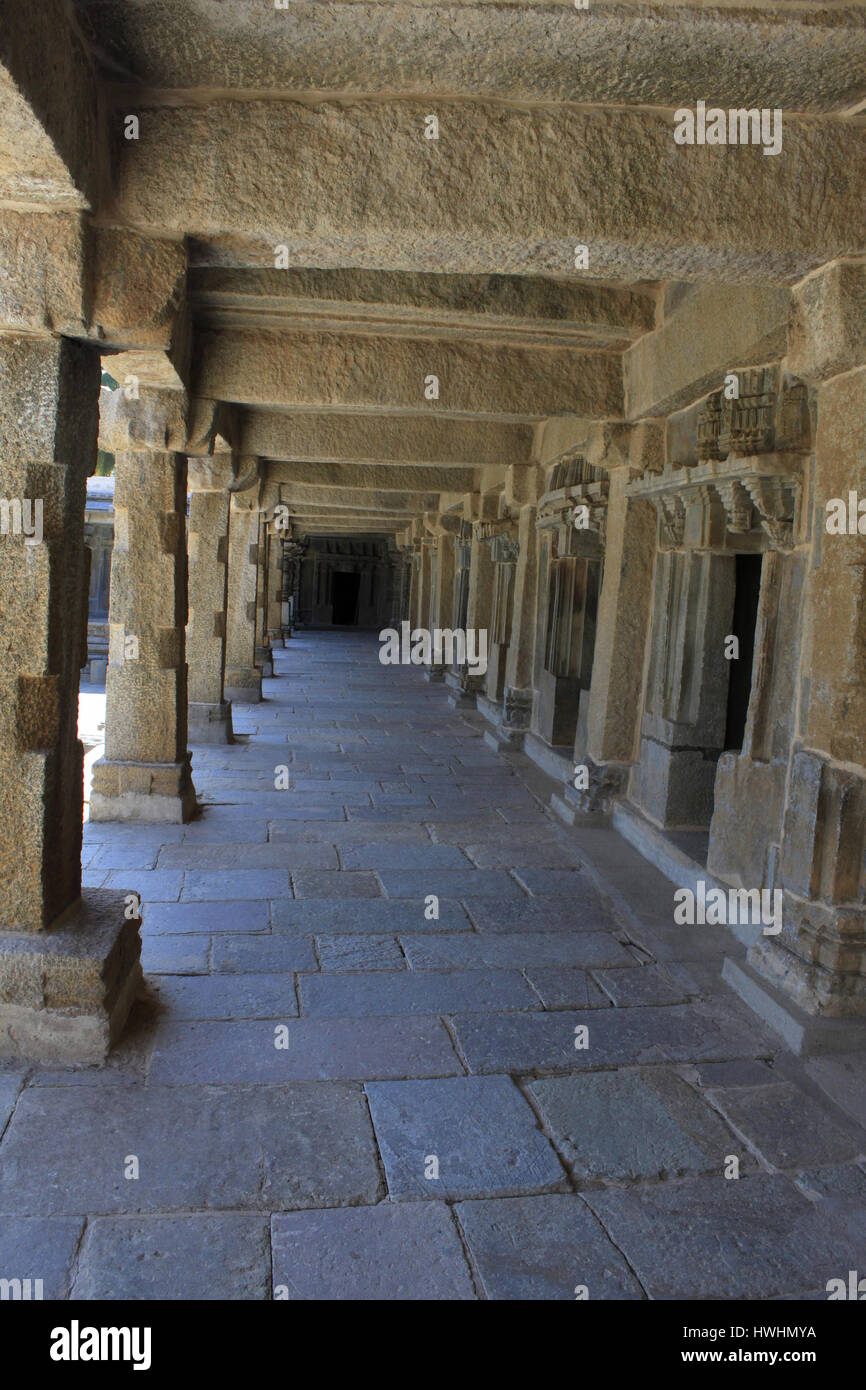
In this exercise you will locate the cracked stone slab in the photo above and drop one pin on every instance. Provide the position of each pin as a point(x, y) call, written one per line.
point(230, 996)
point(568, 988)
point(624, 1125)
point(789, 1127)
point(220, 1255)
point(318, 1049)
point(527, 1042)
point(212, 1147)
point(756, 1237)
point(281, 955)
point(543, 1248)
point(651, 984)
point(319, 916)
point(390, 1252)
point(40, 1247)
point(480, 1129)
point(10, 1087)
point(413, 992)
point(521, 950)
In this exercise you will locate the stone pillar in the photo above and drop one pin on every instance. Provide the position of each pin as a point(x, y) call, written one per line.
point(69, 964)
point(819, 957)
point(263, 656)
point(145, 773)
point(414, 586)
point(243, 680)
point(624, 614)
point(517, 696)
point(274, 612)
point(210, 714)
point(480, 604)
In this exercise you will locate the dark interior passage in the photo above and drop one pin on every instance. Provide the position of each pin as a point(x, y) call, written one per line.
point(746, 595)
point(346, 588)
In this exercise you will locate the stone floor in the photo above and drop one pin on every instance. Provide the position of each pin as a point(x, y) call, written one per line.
point(334, 1091)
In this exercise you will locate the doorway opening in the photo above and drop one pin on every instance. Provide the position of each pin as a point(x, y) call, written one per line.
point(746, 595)
point(344, 598)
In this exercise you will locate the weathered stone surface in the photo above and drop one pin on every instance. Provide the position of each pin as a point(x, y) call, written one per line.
point(204, 885)
point(755, 1238)
point(524, 950)
point(318, 1050)
point(785, 1125)
point(480, 1129)
point(40, 1247)
point(362, 915)
point(566, 987)
point(338, 953)
point(406, 1252)
point(228, 996)
point(280, 955)
point(352, 884)
point(179, 918)
point(543, 1248)
point(449, 883)
point(174, 955)
point(214, 1148)
point(584, 913)
point(413, 992)
point(165, 1257)
point(624, 1125)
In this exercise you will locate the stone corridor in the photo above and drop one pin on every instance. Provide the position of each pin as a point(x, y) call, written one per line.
point(330, 1092)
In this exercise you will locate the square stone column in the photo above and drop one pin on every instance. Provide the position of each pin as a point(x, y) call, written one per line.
point(274, 608)
point(69, 965)
point(145, 774)
point(263, 656)
point(243, 679)
point(210, 714)
point(624, 616)
point(518, 694)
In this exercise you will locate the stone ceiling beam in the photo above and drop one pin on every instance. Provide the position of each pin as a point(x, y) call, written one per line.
point(811, 57)
point(312, 437)
point(308, 370)
point(502, 191)
point(295, 494)
point(499, 308)
point(351, 477)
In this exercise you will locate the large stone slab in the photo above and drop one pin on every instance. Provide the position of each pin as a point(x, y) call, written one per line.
point(248, 856)
point(194, 1255)
point(327, 884)
point(231, 996)
point(528, 914)
point(40, 1247)
point(512, 949)
point(379, 916)
point(788, 1126)
point(212, 1147)
point(755, 1237)
point(449, 883)
point(543, 1248)
point(421, 858)
point(317, 1050)
point(527, 1042)
point(566, 988)
point(278, 955)
point(211, 917)
point(620, 1126)
point(341, 953)
point(239, 884)
point(480, 1129)
point(174, 955)
point(413, 992)
point(401, 1252)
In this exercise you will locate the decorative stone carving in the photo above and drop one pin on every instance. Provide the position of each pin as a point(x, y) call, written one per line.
point(709, 428)
point(672, 517)
point(737, 504)
point(775, 500)
point(752, 423)
point(516, 707)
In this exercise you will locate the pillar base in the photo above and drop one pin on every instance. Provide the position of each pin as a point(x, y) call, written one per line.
point(128, 791)
point(434, 674)
point(265, 661)
point(65, 993)
point(805, 1034)
point(243, 685)
point(275, 636)
point(210, 723)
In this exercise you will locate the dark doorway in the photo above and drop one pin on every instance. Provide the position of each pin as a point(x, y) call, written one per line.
point(746, 595)
point(345, 598)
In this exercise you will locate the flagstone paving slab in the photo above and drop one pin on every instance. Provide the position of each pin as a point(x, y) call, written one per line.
point(228, 996)
point(550, 1247)
point(474, 951)
point(255, 1148)
point(401, 1251)
point(620, 1126)
point(280, 955)
point(220, 1255)
point(379, 917)
point(233, 916)
point(174, 955)
point(480, 1130)
point(40, 1247)
point(413, 992)
point(316, 1049)
point(787, 1126)
point(341, 953)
